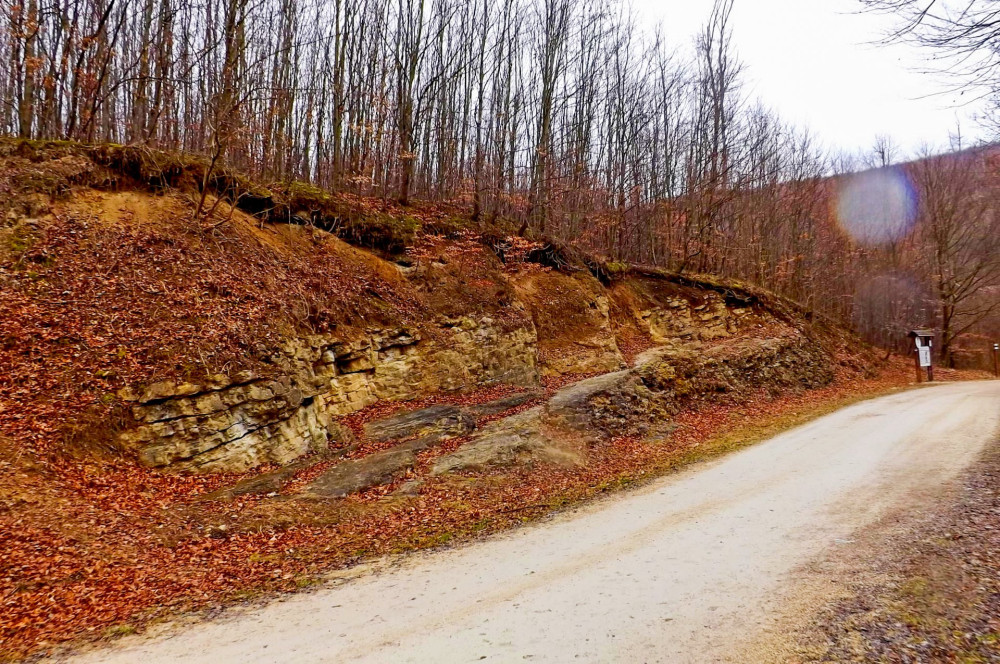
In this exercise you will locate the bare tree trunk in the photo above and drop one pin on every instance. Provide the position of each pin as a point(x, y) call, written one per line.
point(26, 104)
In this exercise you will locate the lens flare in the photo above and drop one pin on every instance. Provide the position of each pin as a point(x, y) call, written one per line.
point(876, 207)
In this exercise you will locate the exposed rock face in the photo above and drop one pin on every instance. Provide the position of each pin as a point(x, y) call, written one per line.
point(640, 400)
point(444, 420)
point(399, 364)
point(232, 424)
point(502, 404)
point(679, 318)
point(629, 402)
point(229, 427)
point(358, 475)
point(421, 430)
point(520, 438)
point(643, 399)
point(741, 365)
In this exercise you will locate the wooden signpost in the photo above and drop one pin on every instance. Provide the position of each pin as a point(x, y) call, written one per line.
point(924, 345)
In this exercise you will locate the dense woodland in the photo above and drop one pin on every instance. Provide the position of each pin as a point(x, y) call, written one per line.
point(566, 117)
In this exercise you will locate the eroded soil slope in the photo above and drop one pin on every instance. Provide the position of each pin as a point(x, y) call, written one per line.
point(195, 407)
point(680, 571)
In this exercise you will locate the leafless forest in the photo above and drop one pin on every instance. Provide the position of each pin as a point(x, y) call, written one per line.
point(567, 117)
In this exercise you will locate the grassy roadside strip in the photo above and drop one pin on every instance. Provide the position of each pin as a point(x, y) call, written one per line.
point(751, 431)
point(705, 433)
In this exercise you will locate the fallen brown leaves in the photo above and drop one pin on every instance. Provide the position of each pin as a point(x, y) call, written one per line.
point(93, 301)
point(92, 307)
point(102, 546)
point(89, 542)
point(632, 344)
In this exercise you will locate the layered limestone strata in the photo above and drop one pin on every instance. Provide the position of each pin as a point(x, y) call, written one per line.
point(679, 318)
point(236, 423)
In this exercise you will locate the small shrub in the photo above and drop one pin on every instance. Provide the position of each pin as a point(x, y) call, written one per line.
point(616, 268)
point(20, 240)
point(118, 631)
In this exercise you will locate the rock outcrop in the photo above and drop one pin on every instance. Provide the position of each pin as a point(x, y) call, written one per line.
point(373, 470)
point(677, 318)
point(441, 420)
point(220, 426)
point(641, 400)
point(236, 423)
point(521, 438)
point(417, 431)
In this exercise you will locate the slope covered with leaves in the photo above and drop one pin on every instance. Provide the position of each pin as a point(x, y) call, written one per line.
point(110, 278)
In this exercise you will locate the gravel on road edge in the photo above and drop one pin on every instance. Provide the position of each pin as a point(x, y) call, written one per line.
point(933, 598)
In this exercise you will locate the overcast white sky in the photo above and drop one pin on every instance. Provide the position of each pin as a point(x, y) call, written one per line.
point(814, 62)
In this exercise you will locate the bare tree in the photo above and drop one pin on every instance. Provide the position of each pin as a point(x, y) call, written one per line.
point(963, 32)
point(960, 226)
point(568, 117)
point(884, 152)
point(550, 55)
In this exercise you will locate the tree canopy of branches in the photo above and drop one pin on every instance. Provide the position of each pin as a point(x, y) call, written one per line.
point(958, 227)
point(564, 116)
point(960, 240)
point(557, 112)
point(963, 34)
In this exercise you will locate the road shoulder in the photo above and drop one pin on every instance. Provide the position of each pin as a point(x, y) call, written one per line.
point(923, 584)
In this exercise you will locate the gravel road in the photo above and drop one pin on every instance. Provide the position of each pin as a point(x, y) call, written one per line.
point(678, 571)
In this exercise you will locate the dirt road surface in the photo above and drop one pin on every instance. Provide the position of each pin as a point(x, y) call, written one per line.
point(679, 571)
